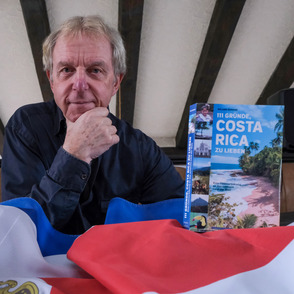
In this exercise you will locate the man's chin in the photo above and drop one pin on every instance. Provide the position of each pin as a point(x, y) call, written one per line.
point(74, 116)
point(79, 110)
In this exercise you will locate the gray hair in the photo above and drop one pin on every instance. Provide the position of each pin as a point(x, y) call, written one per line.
point(90, 26)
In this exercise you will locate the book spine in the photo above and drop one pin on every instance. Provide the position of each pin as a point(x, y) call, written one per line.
point(189, 170)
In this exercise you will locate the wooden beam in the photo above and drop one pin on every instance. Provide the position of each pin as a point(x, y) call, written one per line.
point(37, 25)
point(221, 29)
point(130, 25)
point(282, 77)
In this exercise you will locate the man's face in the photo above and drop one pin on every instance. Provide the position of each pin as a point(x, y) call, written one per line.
point(204, 111)
point(82, 76)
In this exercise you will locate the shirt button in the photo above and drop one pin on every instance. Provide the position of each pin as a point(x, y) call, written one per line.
point(83, 176)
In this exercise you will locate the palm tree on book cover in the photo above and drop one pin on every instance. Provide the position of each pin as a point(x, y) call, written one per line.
point(252, 146)
point(267, 162)
point(278, 129)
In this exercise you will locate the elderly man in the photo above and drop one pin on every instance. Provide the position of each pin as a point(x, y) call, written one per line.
point(71, 154)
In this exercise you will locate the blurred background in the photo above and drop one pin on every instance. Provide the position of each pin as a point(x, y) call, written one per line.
point(179, 52)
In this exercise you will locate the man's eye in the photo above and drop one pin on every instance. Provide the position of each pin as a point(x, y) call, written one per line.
point(66, 70)
point(95, 70)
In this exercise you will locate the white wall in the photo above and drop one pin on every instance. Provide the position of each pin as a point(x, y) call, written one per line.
point(18, 80)
point(263, 33)
point(173, 33)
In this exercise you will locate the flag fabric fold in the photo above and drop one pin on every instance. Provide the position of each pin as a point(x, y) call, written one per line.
point(123, 211)
point(133, 254)
point(20, 254)
point(50, 240)
point(160, 256)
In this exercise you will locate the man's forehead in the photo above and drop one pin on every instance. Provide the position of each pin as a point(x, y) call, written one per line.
point(67, 46)
point(68, 37)
point(88, 62)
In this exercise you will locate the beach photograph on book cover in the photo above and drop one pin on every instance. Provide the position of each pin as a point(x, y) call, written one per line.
point(245, 169)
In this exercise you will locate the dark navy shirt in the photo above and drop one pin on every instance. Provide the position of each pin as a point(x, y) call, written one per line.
point(74, 194)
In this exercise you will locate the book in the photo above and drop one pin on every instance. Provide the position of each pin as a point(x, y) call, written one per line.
point(233, 167)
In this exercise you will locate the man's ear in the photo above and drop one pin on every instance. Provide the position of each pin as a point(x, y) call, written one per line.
point(117, 83)
point(48, 74)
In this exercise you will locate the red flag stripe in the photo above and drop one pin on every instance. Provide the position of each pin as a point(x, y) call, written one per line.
point(162, 256)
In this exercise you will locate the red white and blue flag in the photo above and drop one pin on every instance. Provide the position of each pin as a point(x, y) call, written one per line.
point(152, 256)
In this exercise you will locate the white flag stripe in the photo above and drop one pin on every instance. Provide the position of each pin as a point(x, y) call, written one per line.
point(20, 253)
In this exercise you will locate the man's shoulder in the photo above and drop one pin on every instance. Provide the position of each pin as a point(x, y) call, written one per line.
point(130, 137)
point(32, 112)
point(36, 108)
point(124, 128)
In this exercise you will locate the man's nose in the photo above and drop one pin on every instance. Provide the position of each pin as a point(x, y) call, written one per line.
point(80, 82)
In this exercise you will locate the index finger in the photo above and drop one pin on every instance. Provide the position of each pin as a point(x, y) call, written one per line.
point(101, 111)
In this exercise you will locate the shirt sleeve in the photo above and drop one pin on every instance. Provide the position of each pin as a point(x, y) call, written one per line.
point(161, 180)
point(24, 174)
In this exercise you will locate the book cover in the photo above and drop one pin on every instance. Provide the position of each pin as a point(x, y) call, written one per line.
point(233, 169)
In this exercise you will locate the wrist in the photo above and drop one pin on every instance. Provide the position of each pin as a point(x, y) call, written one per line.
point(77, 154)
